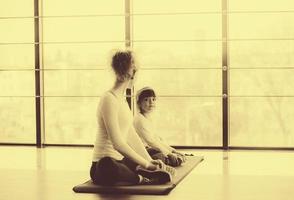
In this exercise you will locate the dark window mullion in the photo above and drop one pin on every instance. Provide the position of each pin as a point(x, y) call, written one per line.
point(128, 43)
point(37, 74)
point(225, 96)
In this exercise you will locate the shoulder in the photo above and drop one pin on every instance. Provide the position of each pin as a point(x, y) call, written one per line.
point(139, 120)
point(139, 117)
point(108, 97)
point(108, 100)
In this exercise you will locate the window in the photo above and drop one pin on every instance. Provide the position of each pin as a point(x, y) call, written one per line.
point(17, 81)
point(261, 64)
point(179, 44)
point(78, 39)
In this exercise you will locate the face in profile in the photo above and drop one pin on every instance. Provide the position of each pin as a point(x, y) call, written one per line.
point(148, 104)
point(132, 73)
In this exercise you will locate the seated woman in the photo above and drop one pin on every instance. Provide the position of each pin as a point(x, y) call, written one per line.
point(119, 154)
point(155, 146)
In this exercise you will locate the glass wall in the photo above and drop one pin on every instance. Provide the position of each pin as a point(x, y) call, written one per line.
point(78, 40)
point(261, 76)
point(17, 77)
point(179, 49)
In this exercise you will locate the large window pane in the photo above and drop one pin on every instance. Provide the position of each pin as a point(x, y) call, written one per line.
point(77, 82)
point(17, 56)
point(261, 25)
point(181, 82)
point(84, 29)
point(17, 118)
point(189, 120)
point(78, 64)
point(70, 120)
point(17, 112)
point(250, 54)
point(11, 29)
point(17, 83)
point(16, 8)
point(179, 54)
point(176, 67)
point(163, 6)
point(85, 7)
point(262, 122)
point(79, 56)
point(177, 27)
point(262, 82)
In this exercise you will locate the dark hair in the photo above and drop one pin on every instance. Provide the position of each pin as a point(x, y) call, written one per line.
point(121, 63)
point(143, 93)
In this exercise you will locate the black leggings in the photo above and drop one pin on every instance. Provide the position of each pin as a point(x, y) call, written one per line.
point(108, 171)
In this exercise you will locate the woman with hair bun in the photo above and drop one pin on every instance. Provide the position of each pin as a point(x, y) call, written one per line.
point(119, 155)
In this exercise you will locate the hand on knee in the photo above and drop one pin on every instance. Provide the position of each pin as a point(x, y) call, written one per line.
point(174, 160)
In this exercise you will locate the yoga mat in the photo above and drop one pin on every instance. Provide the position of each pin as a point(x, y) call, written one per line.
point(181, 173)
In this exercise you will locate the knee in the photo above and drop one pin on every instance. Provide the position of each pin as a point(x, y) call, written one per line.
point(107, 166)
point(105, 162)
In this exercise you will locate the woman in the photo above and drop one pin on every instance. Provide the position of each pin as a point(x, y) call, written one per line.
point(156, 147)
point(119, 155)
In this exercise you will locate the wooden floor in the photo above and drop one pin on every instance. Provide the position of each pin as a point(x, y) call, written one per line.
point(28, 173)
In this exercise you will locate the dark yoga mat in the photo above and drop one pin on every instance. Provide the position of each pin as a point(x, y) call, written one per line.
point(181, 173)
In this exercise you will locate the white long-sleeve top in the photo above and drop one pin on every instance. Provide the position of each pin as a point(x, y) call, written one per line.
point(116, 136)
point(145, 130)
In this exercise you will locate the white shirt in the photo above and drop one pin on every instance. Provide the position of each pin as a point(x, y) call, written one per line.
point(103, 145)
point(146, 131)
point(116, 136)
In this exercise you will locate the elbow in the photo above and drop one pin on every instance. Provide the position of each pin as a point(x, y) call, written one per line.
point(116, 146)
point(119, 146)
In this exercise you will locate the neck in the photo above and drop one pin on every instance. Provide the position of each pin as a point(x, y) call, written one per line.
point(119, 88)
point(147, 114)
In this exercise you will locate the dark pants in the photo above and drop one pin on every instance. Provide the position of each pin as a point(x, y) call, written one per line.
point(108, 171)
